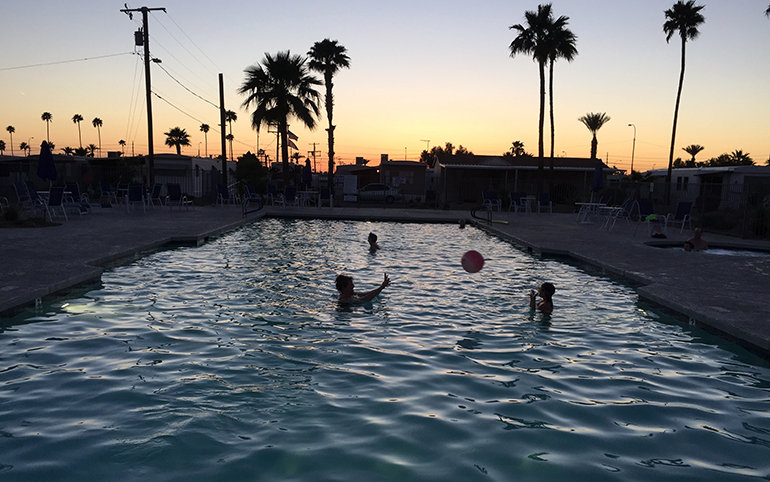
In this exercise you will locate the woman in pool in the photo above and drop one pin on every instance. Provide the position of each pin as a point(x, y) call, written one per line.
point(348, 295)
point(546, 291)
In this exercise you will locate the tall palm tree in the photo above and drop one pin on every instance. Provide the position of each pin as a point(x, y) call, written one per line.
point(205, 129)
point(594, 121)
point(77, 119)
point(281, 88)
point(684, 18)
point(11, 130)
point(2, 147)
point(533, 40)
point(328, 57)
point(230, 117)
point(230, 138)
point(122, 147)
point(177, 137)
point(562, 46)
point(97, 122)
point(693, 150)
point(24, 148)
point(47, 117)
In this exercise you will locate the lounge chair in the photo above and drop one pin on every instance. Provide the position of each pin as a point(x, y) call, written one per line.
point(33, 194)
point(122, 191)
point(682, 215)
point(136, 195)
point(272, 194)
point(107, 193)
point(251, 195)
point(622, 212)
point(175, 197)
point(516, 203)
point(289, 197)
point(22, 195)
point(154, 198)
point(75, 200)
point(325, 196)
point(224, 195)
point(544, 203)
point(647, 216)
point(490, 199)
point(55, 200)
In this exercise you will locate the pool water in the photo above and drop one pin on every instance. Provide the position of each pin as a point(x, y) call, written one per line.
point(233, 361)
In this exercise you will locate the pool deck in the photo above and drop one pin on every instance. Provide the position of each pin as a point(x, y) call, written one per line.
point(728, 294)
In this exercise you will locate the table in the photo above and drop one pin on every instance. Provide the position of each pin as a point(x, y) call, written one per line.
point(528, 201)
point(587, 210)
point(306, 197)
point(610, 214)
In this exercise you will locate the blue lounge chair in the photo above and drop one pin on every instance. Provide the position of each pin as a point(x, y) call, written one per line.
point(544, 203)
point(647, 216)
point(682, 215)
point(490, 199)
point(325, 196)
point(175, 196)
point(136, 195)
point(55, 201)
point(224, 195)
point(107, 193)
point(155, 198)
point(289, 197)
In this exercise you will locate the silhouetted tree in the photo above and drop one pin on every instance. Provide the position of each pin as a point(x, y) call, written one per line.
point(122, 144)
point(281, 88)
point(177, 137)
point(77, 119)
point(47, 117)
point(92, 148)
point(11, 130)
point(562, 46)
point(693, 150)
point(205, 129)
point(68, 151)
point(97, 122)
point(2, 147)
point(683, 18)
point(24, 148)
point(328, 57)
point(594, 121)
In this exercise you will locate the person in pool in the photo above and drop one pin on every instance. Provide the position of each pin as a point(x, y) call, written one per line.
point(346, 287)
point(373, 246)
point(546, 291)
point(698, 243)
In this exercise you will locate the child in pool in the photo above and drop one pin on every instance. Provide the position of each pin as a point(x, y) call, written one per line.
point(546, 291)
point(373, 246)
point(345, 286)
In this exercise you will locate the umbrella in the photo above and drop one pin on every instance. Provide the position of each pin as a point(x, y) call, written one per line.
point(597, 184)
point(46, 169)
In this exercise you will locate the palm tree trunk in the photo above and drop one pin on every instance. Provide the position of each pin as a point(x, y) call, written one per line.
point(329, 101)
point(550, 105)
point(99, 131)
point(673, 130)
point(282, 131)
point(594, 146)
point(80, 138)
point(541, 126)
point(47, 132)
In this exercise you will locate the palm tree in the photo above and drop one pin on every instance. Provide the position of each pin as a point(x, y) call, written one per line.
point(122, 147)
point(2, 147)
point(24, 148)
point(177, 137)
point(683, 17)
point(281, 88)
point(230, 117)
point(517, 149)
point(77, 119)
point(97, 122)
point(533, 40)
point(205, 129)
point(11, 130)
point(47, 117)
point(693, 150)
point(594, 121)
point(230, 138)
point(741, 158)
point(562, 42)
point(328, 57)
point(68, 151)
point(92, 148)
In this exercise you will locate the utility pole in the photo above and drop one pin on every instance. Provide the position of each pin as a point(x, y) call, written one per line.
point(222, 125)
point(313, 153)
point(147, 84)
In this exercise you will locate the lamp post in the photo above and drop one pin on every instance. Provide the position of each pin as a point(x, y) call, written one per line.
point(633, 148)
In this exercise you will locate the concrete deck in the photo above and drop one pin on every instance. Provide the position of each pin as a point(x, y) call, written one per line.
point(728, 294)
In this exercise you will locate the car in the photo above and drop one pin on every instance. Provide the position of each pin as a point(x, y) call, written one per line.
point(378, 192)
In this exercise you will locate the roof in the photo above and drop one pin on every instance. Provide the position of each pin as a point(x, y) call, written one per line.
point(704, 171)
point(465, 161)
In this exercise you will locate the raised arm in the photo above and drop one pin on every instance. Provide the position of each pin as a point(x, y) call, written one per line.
point(371, 294)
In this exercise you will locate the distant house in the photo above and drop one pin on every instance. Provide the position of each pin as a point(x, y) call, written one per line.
point(462, 178)
point(409, 176)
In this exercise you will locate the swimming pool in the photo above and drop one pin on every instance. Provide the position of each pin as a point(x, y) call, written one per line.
point(233, 361)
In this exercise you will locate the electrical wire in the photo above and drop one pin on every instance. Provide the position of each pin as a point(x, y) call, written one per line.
point(65, 61)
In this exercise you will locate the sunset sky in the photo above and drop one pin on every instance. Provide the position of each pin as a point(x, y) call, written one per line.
point(424, 70)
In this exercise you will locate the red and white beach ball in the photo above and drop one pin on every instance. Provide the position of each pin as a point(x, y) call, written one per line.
point(472, 261)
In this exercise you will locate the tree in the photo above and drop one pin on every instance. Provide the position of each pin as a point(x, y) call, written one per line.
point(517, 149)
point(47, 117)
point(24, 148)
point(11, 130)
point(205, 129)
point(80, 152)
point(562, 46)
point(77, 119)
point(741, 158)
point(693, 150)
point(328, 57)
point(97, 122)
point(230, 138)
point(594, 121)
point(533, 40)
point(281, 88)
point(68, 151)
point(92, 148)
point(684, 18)
point(122, 147)
point(177, 137)
point(230, 117)
point(2, 147)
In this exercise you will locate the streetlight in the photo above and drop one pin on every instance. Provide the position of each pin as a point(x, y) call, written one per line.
point(633, 148)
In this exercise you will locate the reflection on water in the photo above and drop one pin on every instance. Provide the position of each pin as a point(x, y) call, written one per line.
point(234, 361)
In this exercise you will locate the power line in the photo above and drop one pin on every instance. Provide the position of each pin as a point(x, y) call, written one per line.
point(66, 61)
point(185, 87)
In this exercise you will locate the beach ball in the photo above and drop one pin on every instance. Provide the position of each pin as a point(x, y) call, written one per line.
point(472, 261)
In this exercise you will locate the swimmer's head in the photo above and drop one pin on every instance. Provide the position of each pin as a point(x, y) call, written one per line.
point(547, 290)
point(688, 246)
point(342, 282)
point(372, 238)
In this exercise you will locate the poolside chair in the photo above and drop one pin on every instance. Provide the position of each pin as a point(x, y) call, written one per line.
point(491, 200)
point(154, 198)
point(4, 204)
point(76, 200)
point(272, 194)
point(682, 215)
point(55, 201)
point(122, 191)
point(136, 195)
point(251, 195)
point(325, 196)
point(647, 216)
point(107, 193)
point(175, 196)
point(624, 212)
point(289, 197)
point(516, 203)
point(224, 195)
point(33, 194)
point(22, 194)
point(544, 203)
